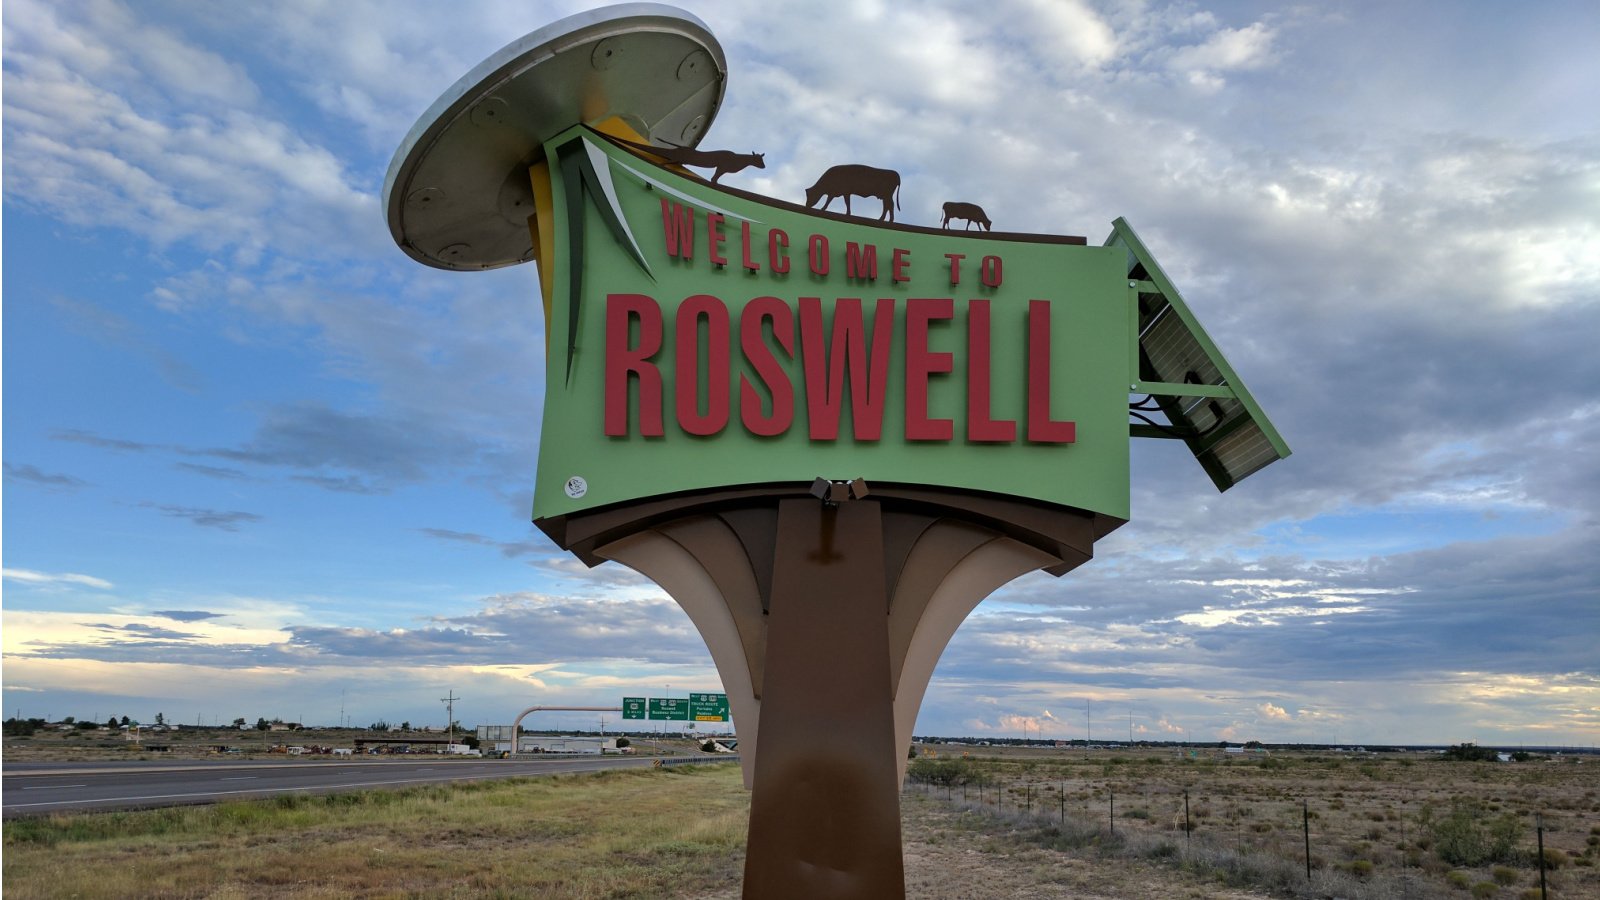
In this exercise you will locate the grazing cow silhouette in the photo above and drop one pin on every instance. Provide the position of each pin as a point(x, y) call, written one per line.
point(972, 212)
point(725, 162)
point(862, 181)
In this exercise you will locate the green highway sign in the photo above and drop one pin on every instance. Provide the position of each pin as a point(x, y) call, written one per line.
point(633, 707)
point(708, 707)
point(671, 709)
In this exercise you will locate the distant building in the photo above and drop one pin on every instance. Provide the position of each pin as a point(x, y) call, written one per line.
point(545, 743)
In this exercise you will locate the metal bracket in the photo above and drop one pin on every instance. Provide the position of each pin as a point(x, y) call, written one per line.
point(833, 493)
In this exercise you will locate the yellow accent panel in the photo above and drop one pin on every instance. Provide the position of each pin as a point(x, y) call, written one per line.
point(542, 227)
point(617, 128)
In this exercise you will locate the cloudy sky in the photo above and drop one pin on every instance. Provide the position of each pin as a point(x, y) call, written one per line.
point(260, 463)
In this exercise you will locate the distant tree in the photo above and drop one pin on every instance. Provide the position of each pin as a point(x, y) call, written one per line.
point(623, 742)
point(112, 723)
point(161, 718)
point(16, 727)
point(379, 725)
point(239, 722)
point(708, 747)
point(262, 724)
point(86, 726)
point(1470, 752)
point(68, 720)
point(125, 721)
point(405, 726)
point(1521, 756)
point(1222, 745)
point(470, 740)
point(1252, 745)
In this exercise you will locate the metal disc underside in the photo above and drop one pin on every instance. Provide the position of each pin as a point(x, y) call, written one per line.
point(458, 194)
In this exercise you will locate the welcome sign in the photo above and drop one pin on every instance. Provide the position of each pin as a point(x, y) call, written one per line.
point(827, 437)
point(700, 338)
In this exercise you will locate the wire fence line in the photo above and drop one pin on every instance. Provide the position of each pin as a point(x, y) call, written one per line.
point(1275, 845)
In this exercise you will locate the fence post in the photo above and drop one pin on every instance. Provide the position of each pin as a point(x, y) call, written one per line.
point(1305, 824)
point(1186, 820)
point(1538, 819)
point(1113, 815)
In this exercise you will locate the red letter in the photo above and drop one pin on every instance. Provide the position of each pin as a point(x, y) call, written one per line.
point(955, 266)
point(744, 241)
point(766, 366)
point(819, 254)
point(621, 309)
point(989, 272)
point(777, 244)
point(920, 363)
point(715, 237)
point(902, 261)
point(677, 223)
point(825, 370)
point(1041, 428)
point(979, 426)
point(861, 261)
point(686, 385)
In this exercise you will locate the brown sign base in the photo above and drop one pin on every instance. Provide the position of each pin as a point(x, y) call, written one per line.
point(825, 620)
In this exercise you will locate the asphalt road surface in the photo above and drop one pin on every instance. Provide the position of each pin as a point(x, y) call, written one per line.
point(33, 789)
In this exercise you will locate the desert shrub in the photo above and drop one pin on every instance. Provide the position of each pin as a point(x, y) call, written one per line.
point(1504, 875)
point(1485, 889)
point(1553, 858)
point(942, 771)
point(1458, 879)
point(1468, 835)
point(1531, 894)
point(1361, 868)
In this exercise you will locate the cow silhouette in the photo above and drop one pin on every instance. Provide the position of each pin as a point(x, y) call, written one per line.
point(862, 181)
point(724, 162)
point(972, 212)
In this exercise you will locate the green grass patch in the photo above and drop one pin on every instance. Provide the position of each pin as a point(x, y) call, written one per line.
point(670, 832)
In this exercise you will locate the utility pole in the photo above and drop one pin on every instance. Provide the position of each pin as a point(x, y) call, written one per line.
point(449, 701)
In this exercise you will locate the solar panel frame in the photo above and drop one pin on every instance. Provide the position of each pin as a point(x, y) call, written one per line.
point(1220, 422)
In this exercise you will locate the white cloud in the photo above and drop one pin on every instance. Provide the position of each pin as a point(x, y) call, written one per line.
point(1228, 50)
point(29, 576)
point(1273, 713)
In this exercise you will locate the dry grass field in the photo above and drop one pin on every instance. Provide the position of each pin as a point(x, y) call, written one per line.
point(1379, 825)
point(1034, 823)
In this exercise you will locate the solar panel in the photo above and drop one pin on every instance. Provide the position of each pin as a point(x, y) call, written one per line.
point(1188, 380)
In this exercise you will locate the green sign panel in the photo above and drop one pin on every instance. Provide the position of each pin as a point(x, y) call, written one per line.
point(633, 707)
point(701, 339)
point(673, 709)
point(708, 707)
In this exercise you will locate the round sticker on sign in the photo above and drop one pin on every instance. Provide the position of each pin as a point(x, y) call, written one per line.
point(577, 487)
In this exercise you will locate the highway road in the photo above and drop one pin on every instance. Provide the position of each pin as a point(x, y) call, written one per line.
point(38, 788)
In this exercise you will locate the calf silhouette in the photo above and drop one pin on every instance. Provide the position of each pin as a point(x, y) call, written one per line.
point(724, 162)
point(862, 181)
point(972, 212)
